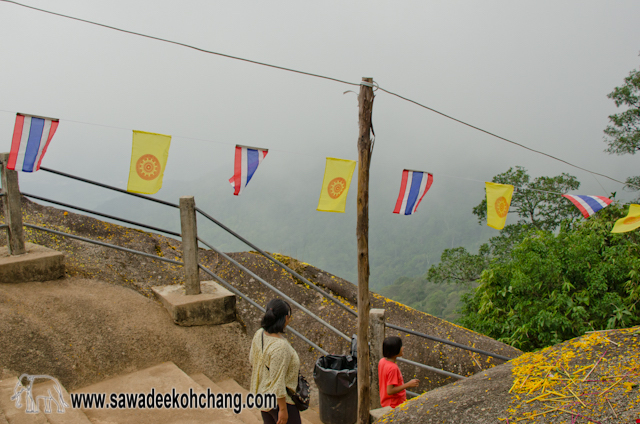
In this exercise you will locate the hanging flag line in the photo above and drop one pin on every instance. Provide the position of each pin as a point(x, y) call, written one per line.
point(319, 76)
point(283, 151)
point(150, 151)
point(174, 136)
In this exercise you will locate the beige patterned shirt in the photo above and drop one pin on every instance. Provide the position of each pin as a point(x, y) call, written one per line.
point(275, 366)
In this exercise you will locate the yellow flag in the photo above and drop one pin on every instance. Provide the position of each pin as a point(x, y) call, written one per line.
point(498, 202)
point(148, 160)
point(335, 186)
point(629, 222)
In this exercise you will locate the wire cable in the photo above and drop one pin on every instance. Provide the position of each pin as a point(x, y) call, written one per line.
point(502, 138)
point(182, 44)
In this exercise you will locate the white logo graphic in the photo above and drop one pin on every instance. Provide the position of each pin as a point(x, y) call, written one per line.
point(32, 404)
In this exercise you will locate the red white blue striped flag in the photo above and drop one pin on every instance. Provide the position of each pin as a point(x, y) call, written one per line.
point(588, 205)
point(414, 186)
point(31, 137)
point(246, 162)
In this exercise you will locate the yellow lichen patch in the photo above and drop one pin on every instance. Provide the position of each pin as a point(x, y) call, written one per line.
point(587, 378)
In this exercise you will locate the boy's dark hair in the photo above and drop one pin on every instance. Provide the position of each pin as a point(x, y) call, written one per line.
point(275, 316)
point(391, 346)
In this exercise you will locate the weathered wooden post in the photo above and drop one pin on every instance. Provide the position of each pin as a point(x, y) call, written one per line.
point(12, 207)
point(189, 245)
point(376, 335)
point(365, 105)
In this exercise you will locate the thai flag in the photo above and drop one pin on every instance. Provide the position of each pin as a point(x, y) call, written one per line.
point(414, 186)
point(588, 205)
point(31, 137)
point(245, 165)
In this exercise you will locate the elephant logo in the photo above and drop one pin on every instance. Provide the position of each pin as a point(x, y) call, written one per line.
point(31, 402)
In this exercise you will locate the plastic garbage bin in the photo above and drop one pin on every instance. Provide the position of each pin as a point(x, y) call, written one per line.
point(336, 378)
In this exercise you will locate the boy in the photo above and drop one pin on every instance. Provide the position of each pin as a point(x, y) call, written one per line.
point(392, 385)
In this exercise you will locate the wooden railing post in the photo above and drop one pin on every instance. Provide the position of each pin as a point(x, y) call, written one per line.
point(189, 245)
point(12, 207)
point(376, 337)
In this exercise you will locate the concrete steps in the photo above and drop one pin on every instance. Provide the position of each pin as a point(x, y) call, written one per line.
point(310, 416)
point(247, 416)
point(10, 414)
point(162, 378)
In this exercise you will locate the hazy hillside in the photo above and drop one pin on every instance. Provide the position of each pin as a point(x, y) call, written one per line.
point(286, 221)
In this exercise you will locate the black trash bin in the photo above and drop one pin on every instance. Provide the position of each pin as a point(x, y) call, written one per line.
point(336, 378)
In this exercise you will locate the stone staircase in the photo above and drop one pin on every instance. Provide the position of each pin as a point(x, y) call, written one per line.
point(163, 378)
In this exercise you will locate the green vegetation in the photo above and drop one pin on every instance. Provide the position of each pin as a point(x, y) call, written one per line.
point(557, 286)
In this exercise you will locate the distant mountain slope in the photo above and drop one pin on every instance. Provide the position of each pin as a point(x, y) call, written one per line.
point(286, 221)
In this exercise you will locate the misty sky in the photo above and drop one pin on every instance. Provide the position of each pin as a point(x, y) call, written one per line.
point(534, 72)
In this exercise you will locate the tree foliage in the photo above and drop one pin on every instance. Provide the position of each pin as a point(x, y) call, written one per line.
point(557, 286)
point(538, 207)
point(623, 131)
point(536, 201)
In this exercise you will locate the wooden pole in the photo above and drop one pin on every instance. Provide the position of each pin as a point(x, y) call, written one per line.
point(12, 207)
point(189, 245)
point(365, 105)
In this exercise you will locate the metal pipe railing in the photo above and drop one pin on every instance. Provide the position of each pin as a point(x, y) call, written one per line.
point(248, 299)
point(55, 202)
point(439, 340)
point(275, 290)
point(427, 367)
point(84, 180)
point(277, 262)
point(262, 252)
point(100, 243)
point(316, 288)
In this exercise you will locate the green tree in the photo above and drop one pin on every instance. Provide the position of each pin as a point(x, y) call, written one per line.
point(623, 131)
point(537, 206)
point(557, 286)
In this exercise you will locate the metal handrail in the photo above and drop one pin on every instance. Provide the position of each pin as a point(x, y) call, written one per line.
point(73, 177)
point(137, 252)
point(248, 299)
point(277, 262)
point(33, 196)
point(275, 290)
point(439, 340)
point(262, 252)
point(427, 367)
point(316, 288)
point(112, 246)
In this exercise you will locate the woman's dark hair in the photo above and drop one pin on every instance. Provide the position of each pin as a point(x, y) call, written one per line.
point(275, 316)
point(391, 346)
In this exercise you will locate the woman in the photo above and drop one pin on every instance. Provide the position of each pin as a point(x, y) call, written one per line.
point(275, 364)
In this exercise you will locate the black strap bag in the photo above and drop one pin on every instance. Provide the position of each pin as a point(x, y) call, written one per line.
point(301, 396)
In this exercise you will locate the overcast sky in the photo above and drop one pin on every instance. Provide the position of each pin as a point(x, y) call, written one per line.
point(534, 72)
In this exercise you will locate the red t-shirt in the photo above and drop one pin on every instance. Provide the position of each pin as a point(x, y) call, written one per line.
point(389, 373)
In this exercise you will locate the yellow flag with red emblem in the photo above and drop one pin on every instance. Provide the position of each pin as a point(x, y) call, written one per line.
point(149, 156)
point(629, 222)
point(335, 186)
point(498, 202)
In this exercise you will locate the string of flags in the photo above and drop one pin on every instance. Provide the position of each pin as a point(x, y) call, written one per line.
point(150, 151)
